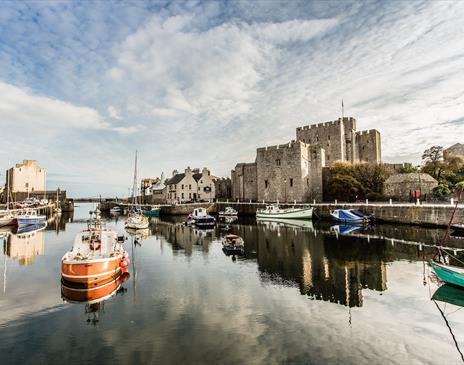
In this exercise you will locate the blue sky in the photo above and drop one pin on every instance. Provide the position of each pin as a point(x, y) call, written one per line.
point(83, 84)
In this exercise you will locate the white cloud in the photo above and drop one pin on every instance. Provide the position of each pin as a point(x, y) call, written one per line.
point(113, 112)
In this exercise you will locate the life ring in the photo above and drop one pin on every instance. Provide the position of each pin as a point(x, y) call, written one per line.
point(95, 245)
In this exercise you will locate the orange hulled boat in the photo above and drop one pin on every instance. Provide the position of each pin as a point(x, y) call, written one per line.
point(96, 256)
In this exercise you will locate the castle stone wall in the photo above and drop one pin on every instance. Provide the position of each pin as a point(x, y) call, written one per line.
point(369, 146)
point(244, 182)
point(283, 172)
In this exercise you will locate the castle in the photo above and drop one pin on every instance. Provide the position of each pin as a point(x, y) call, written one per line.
point(293, 171)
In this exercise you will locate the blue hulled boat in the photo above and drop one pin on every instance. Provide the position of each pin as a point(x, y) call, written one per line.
point(350, 216)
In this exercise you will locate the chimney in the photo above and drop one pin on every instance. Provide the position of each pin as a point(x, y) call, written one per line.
point(174, 173)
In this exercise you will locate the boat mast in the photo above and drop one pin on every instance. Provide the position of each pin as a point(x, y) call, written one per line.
point(134, 185)
point(8, 188)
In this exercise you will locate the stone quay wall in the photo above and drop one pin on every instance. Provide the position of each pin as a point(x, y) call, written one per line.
point(425, 214)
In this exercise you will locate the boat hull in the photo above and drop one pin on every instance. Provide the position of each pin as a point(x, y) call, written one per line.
point(449, 274)
point(152, 213)
point(30, 221)
point(91, 271)
point(293, 214)
point(7, 221)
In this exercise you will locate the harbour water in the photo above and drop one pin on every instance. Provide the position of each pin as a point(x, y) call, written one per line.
point(300, 294)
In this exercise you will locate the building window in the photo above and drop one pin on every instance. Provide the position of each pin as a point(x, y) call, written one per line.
point(190, 186)
point(266, 184)
point(278, 162)
point(291, 182)
point(328, 138)
point(201, 181)
point(190, 195)
point(328, 158)
point(182, 186)
point(182, 195)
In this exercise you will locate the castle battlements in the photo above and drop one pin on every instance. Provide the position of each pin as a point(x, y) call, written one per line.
point(288, 145)
point(366, 132)
point(331, 123)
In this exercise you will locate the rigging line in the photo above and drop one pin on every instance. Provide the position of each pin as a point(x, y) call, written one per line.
point(449, 328)
point(457, 310)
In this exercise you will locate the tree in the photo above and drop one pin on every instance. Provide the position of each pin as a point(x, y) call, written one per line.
point(408, 168)
point(433, 154)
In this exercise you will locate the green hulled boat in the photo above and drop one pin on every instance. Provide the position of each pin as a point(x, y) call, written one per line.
point(449, 294)
point(153, 212)
point(453, 275)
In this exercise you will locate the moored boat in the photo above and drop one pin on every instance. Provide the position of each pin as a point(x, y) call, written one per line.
point(233, 244)
point(228, 212)
point(97, 255)
point(136, 220)
point(153, 212)
point(29, 217)
point(274, 211)
point(350, 216)
point(115, 210)
point(449, 274)
point(7, 219)
point(201, 218)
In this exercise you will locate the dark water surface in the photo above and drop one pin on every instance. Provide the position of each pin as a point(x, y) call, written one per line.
point(299, 295)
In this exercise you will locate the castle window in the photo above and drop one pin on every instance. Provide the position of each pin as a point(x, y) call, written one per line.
point(182, 195)
point(328, 138)
point(363, 147)
point(307, 182)
point(278, 162)
point(317, 138)
point(266, 183)
point(291, 182)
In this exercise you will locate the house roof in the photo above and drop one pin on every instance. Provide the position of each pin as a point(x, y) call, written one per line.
point(456, 148)
point(411, 177)
point(175, 179)
point(197, 176)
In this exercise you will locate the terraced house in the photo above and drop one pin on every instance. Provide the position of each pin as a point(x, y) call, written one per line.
point(190, 186)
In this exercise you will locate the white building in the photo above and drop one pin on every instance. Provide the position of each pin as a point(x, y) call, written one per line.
point(26, 177)
point(192, 185)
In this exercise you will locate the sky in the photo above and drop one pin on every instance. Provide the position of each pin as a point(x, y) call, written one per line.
point(204, 83)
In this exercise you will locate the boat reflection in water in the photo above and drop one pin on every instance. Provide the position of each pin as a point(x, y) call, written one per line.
point(453, 295)
point(24, 243)
point(346, 228)
point(93, 295)
point(276, 222)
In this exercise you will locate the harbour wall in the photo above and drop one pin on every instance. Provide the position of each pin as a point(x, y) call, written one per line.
point(424, 214)
point(403, 213)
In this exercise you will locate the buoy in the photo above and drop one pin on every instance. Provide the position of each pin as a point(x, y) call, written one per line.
point(125, 276)
point(123, 263)
point(127, 259)
point(125, 255)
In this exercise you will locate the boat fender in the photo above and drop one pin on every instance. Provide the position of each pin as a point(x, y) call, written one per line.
point(125, 255)
point(125, 276)
point(123, 263)
point(127, 259)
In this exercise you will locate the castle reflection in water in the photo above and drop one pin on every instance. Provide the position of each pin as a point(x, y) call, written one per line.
point(322, 265)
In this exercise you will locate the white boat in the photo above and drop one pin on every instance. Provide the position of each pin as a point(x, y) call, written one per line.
point(29, 217)
point(6, 217)
point(115, 209)
point(228, 212)
point(136, 219)
point(201, 218)
point(274, 211)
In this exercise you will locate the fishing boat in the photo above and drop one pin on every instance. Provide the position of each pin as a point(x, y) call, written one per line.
point(202, 219)
point(228, 212)
point(350, 216)
point(136, 219)
point(153, 212)
point(97, 254)
point(233, 244)
point(29, 217)
point(274, 211)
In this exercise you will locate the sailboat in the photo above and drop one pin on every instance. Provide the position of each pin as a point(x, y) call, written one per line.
point(136, 219)
point(57, 209)
point(6, 217)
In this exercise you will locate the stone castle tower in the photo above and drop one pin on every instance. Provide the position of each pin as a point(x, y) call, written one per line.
point(293, 171)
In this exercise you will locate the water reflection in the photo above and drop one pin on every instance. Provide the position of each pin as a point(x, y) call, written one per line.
point(93, 296)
